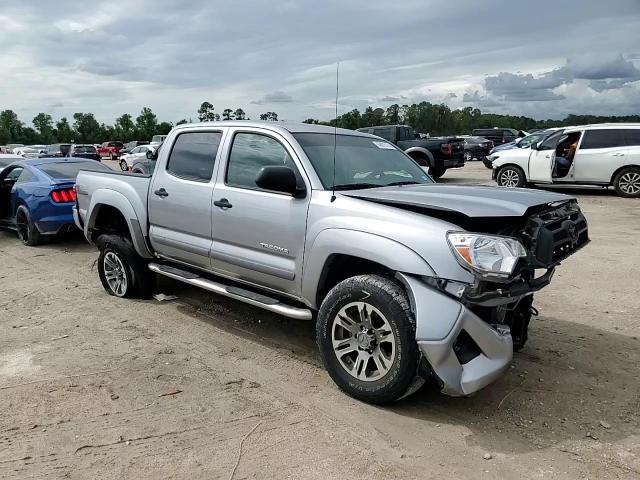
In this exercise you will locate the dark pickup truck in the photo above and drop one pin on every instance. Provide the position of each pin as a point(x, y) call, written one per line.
point(437, 153)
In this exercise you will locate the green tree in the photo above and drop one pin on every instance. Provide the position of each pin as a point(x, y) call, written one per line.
point(164, 128)
point(206, 113)
point(44, 125)
point(11, 126)
point(87, 128)
point(271, 116)
point(63, 132)
point(227, 114)
point(146, 124)
point(124, 129)
point(392, 115)
point(311, 121)
point(239, 114)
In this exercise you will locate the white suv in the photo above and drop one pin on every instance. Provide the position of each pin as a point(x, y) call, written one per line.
point(605, 154)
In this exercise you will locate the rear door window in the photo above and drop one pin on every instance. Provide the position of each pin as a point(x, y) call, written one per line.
point(604, 138)
point(193, 155)
point(633, 136)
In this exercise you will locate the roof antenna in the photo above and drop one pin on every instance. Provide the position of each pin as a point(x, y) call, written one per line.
point(335, 136)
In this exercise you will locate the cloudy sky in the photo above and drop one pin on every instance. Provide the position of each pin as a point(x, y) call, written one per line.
point(539, 58)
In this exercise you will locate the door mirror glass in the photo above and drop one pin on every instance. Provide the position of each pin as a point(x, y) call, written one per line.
point(279, 178)
point(152, 154)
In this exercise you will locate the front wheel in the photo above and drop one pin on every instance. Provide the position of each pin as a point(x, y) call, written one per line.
point(436, 172)
point(468, 156)
point(122, 271)
point(511, 176)
point(627, 182)
point(123, 165)
point(366, 336)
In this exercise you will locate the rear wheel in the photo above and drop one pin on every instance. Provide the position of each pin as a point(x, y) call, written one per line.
point(468, 156)
point(366, 336)
point(122, 271)
point(27, 231)
point(436, 172)
point(511, 176)
point(627, 182)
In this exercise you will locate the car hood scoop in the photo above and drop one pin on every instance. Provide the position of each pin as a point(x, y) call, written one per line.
point(469, 200)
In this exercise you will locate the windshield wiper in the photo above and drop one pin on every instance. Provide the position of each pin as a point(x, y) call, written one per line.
point(356, 186)
point(406, 182)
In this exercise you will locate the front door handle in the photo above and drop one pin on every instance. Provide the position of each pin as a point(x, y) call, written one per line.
point(223, 203)
point(161, 192)
point(618, 154)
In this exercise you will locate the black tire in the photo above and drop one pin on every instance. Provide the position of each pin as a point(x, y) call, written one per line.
point(27, 231)
point(627, 182)
point(511, 176)
point(123, 165)
point(139, 281)
point(436, 172)
point(468, 155)
point(390, 299)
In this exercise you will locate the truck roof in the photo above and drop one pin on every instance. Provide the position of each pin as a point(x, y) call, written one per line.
point(291, 127)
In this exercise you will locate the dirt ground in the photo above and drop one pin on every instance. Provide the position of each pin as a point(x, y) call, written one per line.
point(86, 380)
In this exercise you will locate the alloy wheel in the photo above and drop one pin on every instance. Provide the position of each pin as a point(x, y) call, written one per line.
point(114, 272)
point(630, 183)
point(363, 341)
point(467, 156)
point(509, 178)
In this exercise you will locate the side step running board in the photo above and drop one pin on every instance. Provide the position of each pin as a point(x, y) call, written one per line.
point(246, 296)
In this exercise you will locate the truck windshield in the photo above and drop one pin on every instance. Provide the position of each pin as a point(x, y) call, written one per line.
point(361, 162)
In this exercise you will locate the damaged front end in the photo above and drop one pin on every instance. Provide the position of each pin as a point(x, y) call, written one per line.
point(467, 332)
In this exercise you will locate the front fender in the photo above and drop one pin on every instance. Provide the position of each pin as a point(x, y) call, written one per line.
point(123, 205)
point(338, 241)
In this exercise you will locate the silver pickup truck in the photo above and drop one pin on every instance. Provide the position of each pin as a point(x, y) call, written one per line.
point(406, 279)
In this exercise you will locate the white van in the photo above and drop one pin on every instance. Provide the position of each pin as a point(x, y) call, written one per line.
point(605, 154)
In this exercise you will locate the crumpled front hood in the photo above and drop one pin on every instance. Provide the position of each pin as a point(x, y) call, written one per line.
point(470, 200)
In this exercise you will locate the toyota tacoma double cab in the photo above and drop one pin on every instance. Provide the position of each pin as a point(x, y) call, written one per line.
point(407, 280)
point(436, 153)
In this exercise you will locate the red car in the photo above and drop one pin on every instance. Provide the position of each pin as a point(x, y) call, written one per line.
point(110, 149)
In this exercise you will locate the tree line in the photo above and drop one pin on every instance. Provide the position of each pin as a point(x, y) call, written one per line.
point(424, 117)
point(439, 119)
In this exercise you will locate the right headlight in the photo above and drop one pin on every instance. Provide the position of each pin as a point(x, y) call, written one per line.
point(487, 255)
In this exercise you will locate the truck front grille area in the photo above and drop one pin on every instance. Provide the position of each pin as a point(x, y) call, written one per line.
point(555, 234)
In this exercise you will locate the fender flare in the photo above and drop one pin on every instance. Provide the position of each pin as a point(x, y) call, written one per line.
point(422, 151)
point(355, 243)
point(118, 201)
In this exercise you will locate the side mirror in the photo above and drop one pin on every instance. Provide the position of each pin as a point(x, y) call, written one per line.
point(152, 154)
point(534, 145)
point(279, 178)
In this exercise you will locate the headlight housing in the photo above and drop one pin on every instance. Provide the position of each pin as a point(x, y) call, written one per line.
point(487, 255)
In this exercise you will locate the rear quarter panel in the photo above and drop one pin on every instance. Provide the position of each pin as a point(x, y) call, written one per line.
point(128, 193)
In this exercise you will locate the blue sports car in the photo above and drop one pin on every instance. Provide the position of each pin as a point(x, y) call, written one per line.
point(36, 196)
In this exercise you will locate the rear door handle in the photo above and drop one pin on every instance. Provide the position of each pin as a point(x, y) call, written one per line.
point(617, 154)
point(223, 203)
point(161, 192)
